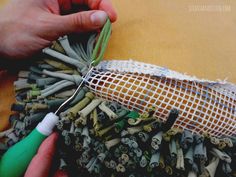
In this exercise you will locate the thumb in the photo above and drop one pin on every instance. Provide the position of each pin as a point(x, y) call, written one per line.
point(48, 147)
point(41, 163)
point(81, 21)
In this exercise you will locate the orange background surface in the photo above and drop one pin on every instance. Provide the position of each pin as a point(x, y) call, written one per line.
point(168, 33)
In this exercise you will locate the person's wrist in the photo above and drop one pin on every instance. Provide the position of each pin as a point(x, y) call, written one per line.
point(5, 62)
point(3, 59)
point(3, 55)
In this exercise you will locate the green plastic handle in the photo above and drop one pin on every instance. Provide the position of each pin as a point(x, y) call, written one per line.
point(16, 160)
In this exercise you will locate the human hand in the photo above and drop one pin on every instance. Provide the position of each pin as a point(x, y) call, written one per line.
point(30, 25)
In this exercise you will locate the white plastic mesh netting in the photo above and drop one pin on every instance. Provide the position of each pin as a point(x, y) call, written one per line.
point(205, 106)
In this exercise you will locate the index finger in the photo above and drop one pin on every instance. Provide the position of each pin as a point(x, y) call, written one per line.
point(104, 5)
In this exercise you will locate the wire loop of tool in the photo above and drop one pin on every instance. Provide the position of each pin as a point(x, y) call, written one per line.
point(76, 91)
point(97, 56)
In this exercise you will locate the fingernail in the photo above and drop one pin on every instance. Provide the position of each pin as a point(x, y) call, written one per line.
point(98, 18)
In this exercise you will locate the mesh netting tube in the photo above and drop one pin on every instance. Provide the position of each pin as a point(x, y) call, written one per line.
point(204, 106)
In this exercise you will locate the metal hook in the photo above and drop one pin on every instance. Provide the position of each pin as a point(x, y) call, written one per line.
point(90, 69)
